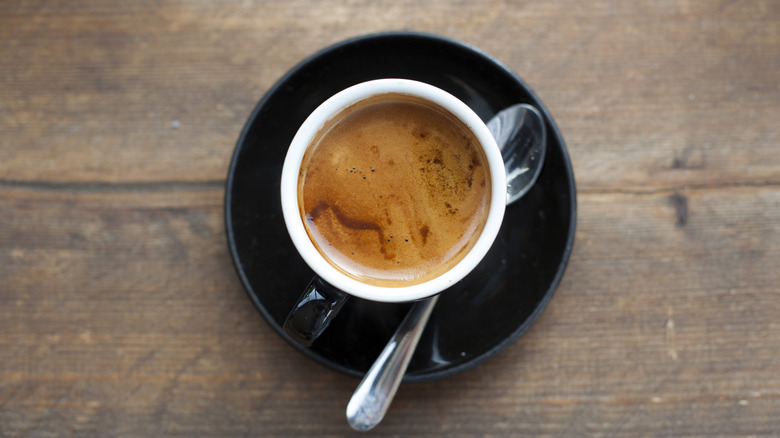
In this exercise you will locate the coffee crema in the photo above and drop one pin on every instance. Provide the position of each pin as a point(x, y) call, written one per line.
point(394, 190)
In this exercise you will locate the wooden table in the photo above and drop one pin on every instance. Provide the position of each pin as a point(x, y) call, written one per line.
point(121, 313)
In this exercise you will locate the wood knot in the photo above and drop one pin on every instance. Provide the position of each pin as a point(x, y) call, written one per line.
point(691, 159)
point(680, 204)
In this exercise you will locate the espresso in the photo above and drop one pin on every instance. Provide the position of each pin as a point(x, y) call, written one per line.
point(394, 190)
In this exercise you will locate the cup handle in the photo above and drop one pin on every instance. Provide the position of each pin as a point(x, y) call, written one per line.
point(317, 306)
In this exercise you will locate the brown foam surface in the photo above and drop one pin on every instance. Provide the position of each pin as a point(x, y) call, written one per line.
point(394, 192)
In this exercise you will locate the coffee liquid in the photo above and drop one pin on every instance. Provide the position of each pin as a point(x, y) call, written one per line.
point(394, 190)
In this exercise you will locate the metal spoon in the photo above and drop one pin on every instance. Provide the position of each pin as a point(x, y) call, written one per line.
point(520, 134)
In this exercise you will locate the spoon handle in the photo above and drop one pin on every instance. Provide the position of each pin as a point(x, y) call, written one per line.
point(373, 396)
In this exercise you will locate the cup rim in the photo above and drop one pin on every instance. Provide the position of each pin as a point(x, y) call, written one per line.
point(289, 196)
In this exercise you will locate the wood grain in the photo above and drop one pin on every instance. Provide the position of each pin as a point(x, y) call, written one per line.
point(121, 313)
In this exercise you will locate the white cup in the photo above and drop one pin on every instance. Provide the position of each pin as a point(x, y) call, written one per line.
point(289, 191)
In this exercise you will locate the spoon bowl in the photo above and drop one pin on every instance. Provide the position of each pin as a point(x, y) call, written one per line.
point(520, 134)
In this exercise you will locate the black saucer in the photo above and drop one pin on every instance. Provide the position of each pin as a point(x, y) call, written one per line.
point(494, 305)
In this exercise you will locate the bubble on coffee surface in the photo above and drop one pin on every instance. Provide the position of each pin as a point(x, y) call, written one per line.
point(395, 191)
